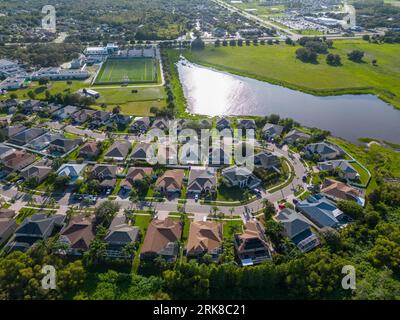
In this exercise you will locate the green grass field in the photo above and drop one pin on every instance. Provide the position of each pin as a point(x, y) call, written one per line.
point(135, 70)
point(278, 64)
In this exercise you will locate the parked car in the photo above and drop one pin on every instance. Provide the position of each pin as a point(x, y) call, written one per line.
point(196, 197)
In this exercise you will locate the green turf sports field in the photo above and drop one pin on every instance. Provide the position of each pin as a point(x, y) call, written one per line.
point(135, 70)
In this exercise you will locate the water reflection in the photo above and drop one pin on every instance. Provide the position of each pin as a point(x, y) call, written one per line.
point(211, 92)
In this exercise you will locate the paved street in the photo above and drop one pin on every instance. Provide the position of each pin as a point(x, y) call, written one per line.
point(195, 208)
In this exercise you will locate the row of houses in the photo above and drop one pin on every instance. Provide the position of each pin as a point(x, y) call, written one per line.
point(161, 240)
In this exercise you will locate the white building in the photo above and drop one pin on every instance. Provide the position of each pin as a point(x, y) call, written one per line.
point(12, 83)
point(109, 49)
point(9, 68)
point(59, 74)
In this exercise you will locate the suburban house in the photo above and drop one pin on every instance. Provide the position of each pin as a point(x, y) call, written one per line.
point(160, 123)
point(336, 191)
point(82, 116)
point(240, 177)
point(170, 181)
point(143, 152)
point(72, 170)
point(202, 180)
point(77, 235)
point(90, 150)
point(64, 145)
point(135, 173)
point(10, 131)
point(190, 153)
point(5, 151)
point(223, 123)
point(120, 234)
point(298, 229)
point(246, 124)
point(100, 117)
point(343, 168)
point(161, 240)
point(140, 124)
point(295, 136)
point(205, 237)
point(18, 160)
point(167, 153)
point(35, 228)
point(218, 156)
point(271, 131)
point(321, 211)
point(267, 160)
point(32, 105)
point(26, 136)
point(118, 151)
point(106, 174)
point(252, 246)
point(65, 112)
point(119, 120)
point(7, 224)
point(205, 124)
point(322, 150)
point(40, 170)
point(44, 141)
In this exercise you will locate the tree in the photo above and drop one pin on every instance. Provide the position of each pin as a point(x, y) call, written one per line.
point(351, 208)
point(61, 181)
point(43, 81)
point(333, 59)
point(356, 56)
point(306, 55)
point(366, 37)
point(106, 211)
point(116, 110)
point(274, 118)
point(386, 253)
point(269, 209)
point(32, 182)
point(198, 44)
point(289, 41)
point(331, 238)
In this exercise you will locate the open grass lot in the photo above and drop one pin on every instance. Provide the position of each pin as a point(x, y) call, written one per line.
point(135, 70)
point(364, 177)
point(131, 103)
point(277, 64)
point(53, 87)
point(138, 103)
point(380, 161)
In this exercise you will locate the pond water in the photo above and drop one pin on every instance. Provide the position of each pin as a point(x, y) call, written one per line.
point(214, 93)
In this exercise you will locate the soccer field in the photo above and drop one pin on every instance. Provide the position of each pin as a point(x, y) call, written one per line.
point(133, 70)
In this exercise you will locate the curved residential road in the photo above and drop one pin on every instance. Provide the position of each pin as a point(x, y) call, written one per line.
point(191, 207)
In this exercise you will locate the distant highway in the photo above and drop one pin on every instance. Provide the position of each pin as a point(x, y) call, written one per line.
point(294, 36)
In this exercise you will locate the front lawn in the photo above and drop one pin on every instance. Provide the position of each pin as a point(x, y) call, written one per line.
point(226, 193)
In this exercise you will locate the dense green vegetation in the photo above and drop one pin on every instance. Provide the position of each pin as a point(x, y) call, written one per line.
point(278, 64)
point(370, 244)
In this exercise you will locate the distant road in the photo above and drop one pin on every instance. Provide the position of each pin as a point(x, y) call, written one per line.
point(249, 16)
point(288, 32)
